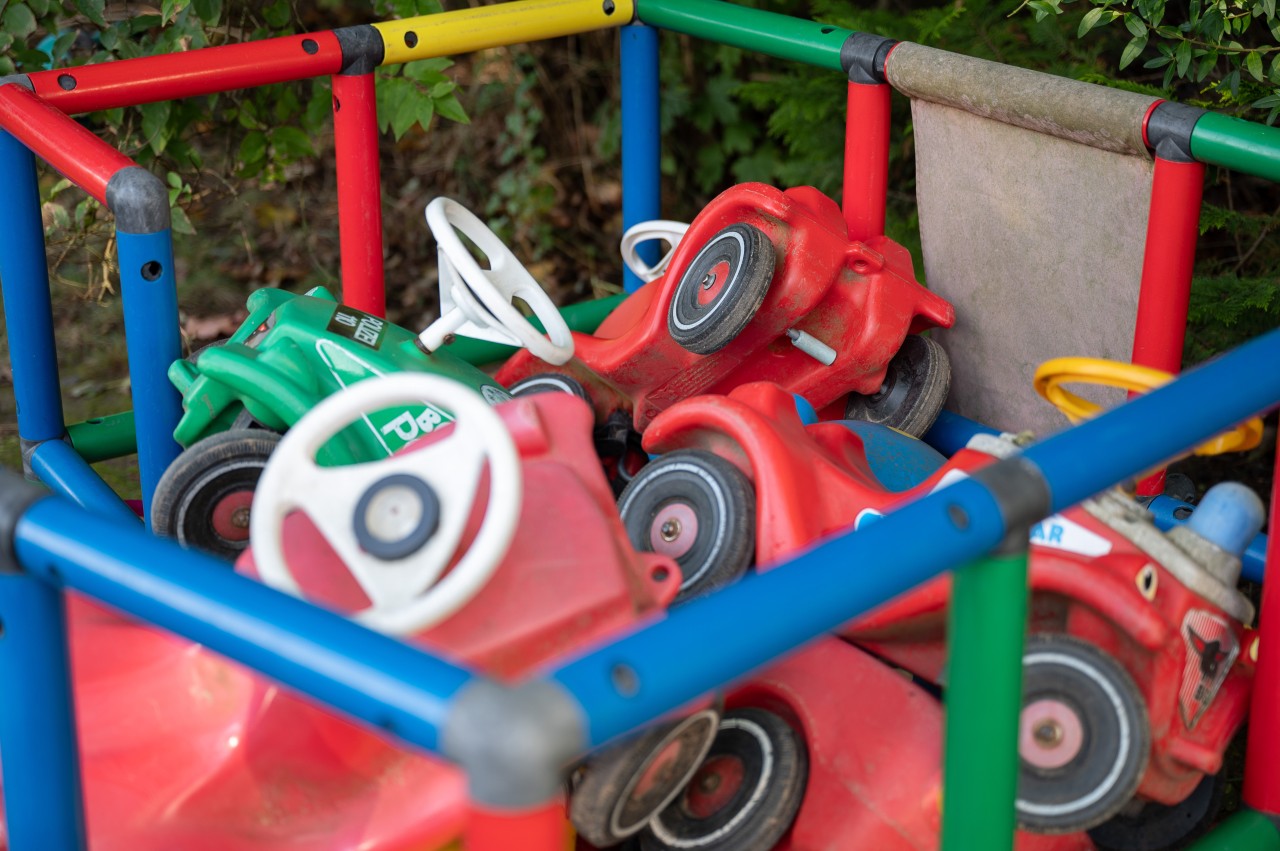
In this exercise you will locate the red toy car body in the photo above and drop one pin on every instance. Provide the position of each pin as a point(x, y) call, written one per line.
point(1101, 576)
point(182, 749)
point(774, 262)
point(857, 791)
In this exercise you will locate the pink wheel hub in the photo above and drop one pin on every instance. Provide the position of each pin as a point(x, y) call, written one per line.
point(231, 515)
point(674, 529)
point(1049, 734)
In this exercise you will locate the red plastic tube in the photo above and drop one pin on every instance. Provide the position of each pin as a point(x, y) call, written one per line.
point(866, 159)
point(60, 141)
point(1172, 228)
point(129, 82)
point(355, 134)
point(1262, 753)
point(540, 829)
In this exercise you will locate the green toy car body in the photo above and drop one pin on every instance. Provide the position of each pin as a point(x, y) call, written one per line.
point(291, 352)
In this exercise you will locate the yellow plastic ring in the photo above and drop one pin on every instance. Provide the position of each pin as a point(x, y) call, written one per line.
point(1053, 374)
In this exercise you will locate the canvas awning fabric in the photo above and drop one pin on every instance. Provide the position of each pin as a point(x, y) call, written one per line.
point(1033, 193)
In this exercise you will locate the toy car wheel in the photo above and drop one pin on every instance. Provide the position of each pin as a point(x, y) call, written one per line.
point(1149, 826)
point(698, 509)
point(617, 791)
point(746, 793)
point(1083, 738)
point(203, 499)
point(722, 289)
point(914, 389)
point(549, 382)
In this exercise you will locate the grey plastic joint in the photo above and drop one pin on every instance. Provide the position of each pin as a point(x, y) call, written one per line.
point(1169, 130)
point(362, 49)
point(514, 742)
point(139, 201)
point(1022, 495)
point(16, 496)
point(18, 80)
point(863, 55)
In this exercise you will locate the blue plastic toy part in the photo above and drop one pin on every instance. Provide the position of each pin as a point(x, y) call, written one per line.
point(951, 432)
point(1168, 512)
point(898, 461)
point(1230, 516)
point(808, 415)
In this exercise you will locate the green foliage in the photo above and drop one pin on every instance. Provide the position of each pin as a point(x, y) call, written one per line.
point(1223, 51)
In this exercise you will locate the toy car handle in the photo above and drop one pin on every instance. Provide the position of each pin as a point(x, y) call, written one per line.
point(360, 509)
point(668, 231)
point(241, 369)
point(1052, 374)
point(483, 296)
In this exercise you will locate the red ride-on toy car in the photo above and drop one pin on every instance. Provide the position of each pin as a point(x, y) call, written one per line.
point(501, 551)
point(767, 286)
point(1136, 635)
point(827, 750)
point(184, 750)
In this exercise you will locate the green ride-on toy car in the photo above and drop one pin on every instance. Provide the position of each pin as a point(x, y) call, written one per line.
point(293, 351)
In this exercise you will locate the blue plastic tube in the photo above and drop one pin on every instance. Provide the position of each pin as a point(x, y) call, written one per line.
point(42, 797)
point(28, 311)
point(951, 432)
point(720, 638)
point(641, 138)
point(60, 467)
point(368, 676)
point(150, 298)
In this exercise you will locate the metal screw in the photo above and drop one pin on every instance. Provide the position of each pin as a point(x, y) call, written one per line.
point(670, 530)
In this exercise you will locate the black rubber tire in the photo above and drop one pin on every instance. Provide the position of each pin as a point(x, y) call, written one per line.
point(1157, 827)
point(914, 389)
point(722, 501)
point(1102, 776)
point(705, 328)
point(602, 805)
point(549, 382)
point(781, 770)
point(209, 471)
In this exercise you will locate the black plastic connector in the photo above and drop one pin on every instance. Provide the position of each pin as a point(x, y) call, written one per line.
point(16, 496)
point(862, 56)
point(1169, 130)
point(362, 49)
point(139, 200)
point(1021, 493)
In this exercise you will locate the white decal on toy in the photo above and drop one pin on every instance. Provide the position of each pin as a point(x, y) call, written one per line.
point(1062, 534)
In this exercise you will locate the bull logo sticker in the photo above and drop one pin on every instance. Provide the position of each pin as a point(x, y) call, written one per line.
point(1212, 649)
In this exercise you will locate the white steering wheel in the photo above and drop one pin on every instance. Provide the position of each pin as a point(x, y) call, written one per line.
point(669, 232)
point(395, 522)
point(476, 302)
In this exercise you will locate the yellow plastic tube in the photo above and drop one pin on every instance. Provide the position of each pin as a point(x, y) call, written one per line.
point(466, 30)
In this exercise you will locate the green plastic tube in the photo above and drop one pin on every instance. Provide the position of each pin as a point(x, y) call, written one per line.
point(584, 317)
point(113, 436)
point(101, 438)
point(1245, 830)
point(1237, 144)
point(783, 36)
point(986, 631)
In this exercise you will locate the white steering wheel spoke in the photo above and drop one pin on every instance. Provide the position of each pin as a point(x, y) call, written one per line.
point(638, 234)
point(477, 302)
point(396, 523)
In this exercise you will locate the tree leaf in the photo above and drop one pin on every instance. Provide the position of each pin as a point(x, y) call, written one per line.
point(1133, 50)
point(253, 147)
point(405, 116)
point(448, 107)
point(180, 222)
point(155, 125)
point(1253, 62)
point(1136, 25)
point(19, 22)
point(1182, 55)
point(1089, 21)
point(291, 143)
point(92, 9)
point(210, 11)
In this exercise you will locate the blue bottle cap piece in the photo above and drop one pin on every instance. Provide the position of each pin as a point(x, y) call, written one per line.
point(1230, 516)
point(808, 415)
